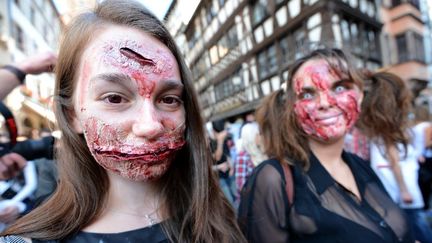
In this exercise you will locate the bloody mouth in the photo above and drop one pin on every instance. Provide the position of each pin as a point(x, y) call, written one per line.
point(145, 157)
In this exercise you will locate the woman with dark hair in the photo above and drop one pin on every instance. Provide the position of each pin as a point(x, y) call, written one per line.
point(335, 196)
point(133, 166)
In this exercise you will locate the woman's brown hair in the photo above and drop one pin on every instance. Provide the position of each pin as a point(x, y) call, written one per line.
point(385, 108)
point(197, 211)
point(282, 136)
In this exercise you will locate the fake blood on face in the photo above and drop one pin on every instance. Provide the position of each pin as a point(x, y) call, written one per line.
point(111, 138)
point(327, 111)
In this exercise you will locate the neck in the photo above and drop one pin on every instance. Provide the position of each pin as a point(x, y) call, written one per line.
point(327, 153)
point(133, 197)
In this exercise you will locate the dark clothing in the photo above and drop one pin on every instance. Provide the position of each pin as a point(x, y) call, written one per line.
point(224, 158)
point(322, 210)
point(148, 234)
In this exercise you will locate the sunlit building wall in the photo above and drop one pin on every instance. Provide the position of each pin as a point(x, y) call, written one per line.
point(239, 51)
point(29, 27)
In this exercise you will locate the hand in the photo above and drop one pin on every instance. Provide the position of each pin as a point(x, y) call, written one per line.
point(406, 197)
point(39, 63)
point(9, 214)
point(11, 165)
point(224, 167)
point(220, 136)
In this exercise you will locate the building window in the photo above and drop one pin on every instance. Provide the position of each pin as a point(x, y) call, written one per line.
point(402, 48)
point(267, 62)
point(419, 50)
point(19, 37)
point(259, 12)
point(285, 49)
point(415, 3)
point(300, 43)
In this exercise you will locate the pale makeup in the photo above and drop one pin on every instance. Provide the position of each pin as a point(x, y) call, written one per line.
point(327, 103)
point(128, 103)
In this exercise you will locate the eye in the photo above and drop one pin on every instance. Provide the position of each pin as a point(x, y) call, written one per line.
point(306, 95)
point(340, 88)
point(171, 100)
point(114, 99)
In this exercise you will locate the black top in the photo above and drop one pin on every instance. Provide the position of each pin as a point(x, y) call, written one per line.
point(224, 157)
point(149, 234)
point(322, 210)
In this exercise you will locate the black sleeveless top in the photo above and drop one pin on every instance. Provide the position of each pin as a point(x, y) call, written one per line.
point(148, 234)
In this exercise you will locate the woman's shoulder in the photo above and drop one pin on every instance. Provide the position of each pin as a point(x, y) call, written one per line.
point(269, 172)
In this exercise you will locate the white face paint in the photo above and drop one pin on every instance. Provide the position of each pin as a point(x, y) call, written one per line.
point(128, 103)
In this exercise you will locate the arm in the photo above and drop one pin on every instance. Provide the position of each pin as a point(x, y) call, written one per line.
point(394, 162)
point(32, 65)
point(220, 138)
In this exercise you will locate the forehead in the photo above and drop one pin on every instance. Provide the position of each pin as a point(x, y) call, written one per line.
point(107, 43)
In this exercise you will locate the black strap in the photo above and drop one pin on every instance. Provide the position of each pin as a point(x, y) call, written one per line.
point(17, 72)
point(10, 123)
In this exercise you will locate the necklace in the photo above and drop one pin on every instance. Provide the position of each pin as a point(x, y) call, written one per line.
point(150, 217)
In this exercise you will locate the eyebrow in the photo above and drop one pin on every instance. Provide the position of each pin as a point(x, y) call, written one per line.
point(116, 78)
point(170, 85)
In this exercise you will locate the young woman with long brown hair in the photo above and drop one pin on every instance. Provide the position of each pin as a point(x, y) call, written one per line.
point(133, 165)
point(393, 154)
point(337, 197)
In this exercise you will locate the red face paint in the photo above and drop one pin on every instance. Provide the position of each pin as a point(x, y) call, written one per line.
point(142, 64)
point(137, 133)
point(326, 106)
point(136, 160)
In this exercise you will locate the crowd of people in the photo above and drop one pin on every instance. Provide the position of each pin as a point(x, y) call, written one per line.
point(332, 156)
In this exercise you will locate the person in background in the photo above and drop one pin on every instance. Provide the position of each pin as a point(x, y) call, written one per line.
point(335, 196)
point(251, 140)
point(223, 163)
point(423, 142)
point(393, 154)
point(132, 163)
point(12, 75)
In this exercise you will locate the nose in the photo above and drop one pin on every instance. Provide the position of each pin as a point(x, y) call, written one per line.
point(148, 123)
point(324, 100)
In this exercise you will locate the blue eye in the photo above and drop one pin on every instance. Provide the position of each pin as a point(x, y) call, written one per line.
point(306, 96)
point(340, 88)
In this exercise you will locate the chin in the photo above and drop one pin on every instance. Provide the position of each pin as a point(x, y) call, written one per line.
point(137, 170)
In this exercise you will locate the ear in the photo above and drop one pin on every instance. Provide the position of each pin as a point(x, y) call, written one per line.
point(75, 122)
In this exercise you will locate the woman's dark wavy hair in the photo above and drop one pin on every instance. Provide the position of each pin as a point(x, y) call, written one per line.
point(282, 135)
point(385, 108)
point(196, 208)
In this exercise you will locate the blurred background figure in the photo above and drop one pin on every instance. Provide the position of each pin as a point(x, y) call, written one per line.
point(394, 157)
point(220, 140)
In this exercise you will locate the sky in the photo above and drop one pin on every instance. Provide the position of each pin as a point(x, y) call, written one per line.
point(158, 7)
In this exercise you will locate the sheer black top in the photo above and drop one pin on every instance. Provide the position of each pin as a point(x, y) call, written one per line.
point(322, 209)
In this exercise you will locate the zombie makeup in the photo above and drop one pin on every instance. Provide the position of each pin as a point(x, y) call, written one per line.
point(327, 103)
point(137, 125)
point(132, 159)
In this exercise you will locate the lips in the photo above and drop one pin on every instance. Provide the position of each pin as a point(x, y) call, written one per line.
point(328, 119)
point(144, 157)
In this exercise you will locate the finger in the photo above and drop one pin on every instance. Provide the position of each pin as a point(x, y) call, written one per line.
point(17, 160)
point(4, 170)
point(14, 163)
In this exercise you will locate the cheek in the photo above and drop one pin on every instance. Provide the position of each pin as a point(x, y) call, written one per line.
point(348, 102)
